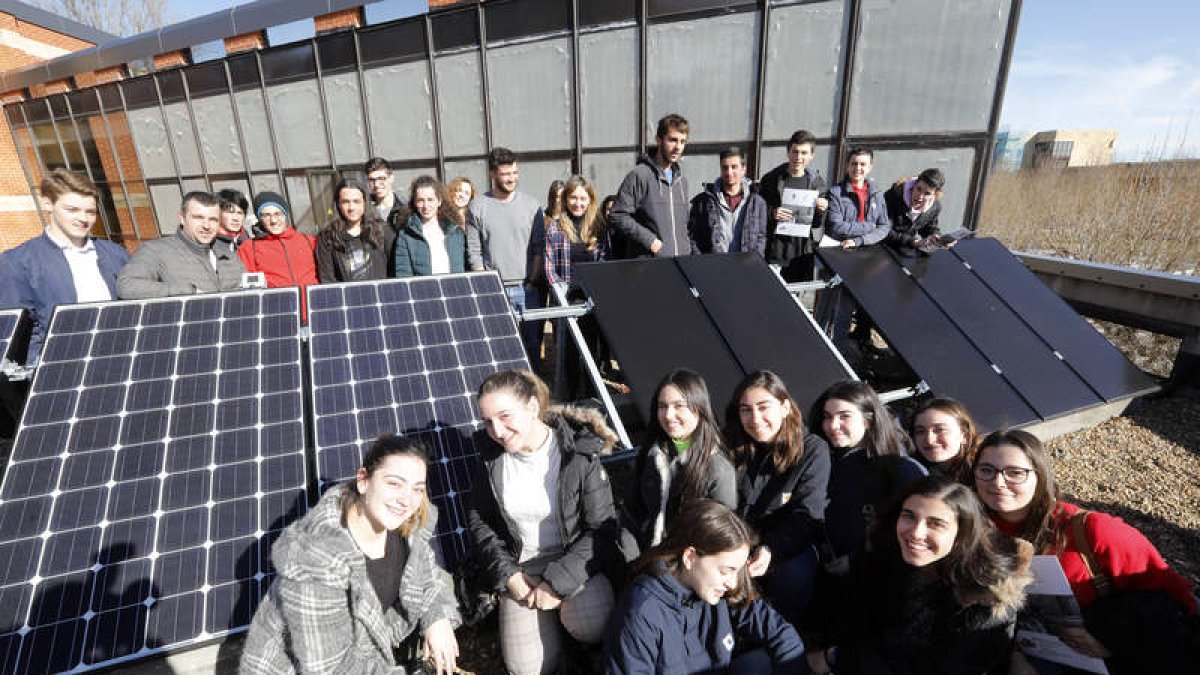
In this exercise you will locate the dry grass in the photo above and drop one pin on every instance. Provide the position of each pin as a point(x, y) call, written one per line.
point(1143, 215)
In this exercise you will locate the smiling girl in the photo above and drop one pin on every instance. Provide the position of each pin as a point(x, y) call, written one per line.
point(945, 437)
point(433, 239)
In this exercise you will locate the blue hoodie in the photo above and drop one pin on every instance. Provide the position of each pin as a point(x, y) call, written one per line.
point(662, 627)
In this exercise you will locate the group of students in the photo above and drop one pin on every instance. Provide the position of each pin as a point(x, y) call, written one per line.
point(889, 552)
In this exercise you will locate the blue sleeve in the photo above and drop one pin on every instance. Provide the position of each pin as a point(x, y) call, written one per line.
point(759, 622)
point(15, 293)
point(632, 646)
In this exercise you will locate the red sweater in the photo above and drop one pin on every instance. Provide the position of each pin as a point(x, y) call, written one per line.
point(1125, 555)
point(285, 260)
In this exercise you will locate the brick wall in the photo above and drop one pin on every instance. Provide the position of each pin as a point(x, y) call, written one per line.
point(346, 18)
point(246, 42)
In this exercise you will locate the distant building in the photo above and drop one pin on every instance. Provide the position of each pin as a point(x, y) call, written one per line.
point(1009, 150)
point(1060, 148)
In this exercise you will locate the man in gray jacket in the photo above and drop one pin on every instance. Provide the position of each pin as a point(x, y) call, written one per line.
point(651, 211)
point(185, 263)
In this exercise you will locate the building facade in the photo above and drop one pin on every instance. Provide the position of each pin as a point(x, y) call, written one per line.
point(573, 86)
point(1059, 149)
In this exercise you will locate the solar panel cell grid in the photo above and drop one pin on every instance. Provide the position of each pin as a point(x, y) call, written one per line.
point(406, 356)
point(160, 451)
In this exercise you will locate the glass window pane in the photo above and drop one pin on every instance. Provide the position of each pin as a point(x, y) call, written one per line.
point(255, 131)
point(150, 140)
point(473, 169)
point(803, 56)
point(238, 184)
point(705, 70)
point(955, 163)
point(700, 169)
point(302, 206)
point(460, 112)
point(905, 82)
point(344, 106)
point(166, 198)
point(403, 177)
point(536, 177)
point(299, 124)
point(606, 170)
point(266, 182)
point(218, 137)
point(398, 102)
point(609, 90)
point(183, 138)
point(530, 95)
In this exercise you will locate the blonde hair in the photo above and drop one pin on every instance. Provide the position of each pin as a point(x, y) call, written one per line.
point(588, 232)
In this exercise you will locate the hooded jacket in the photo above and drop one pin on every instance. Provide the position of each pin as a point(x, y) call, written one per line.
point(662, 627)
point(412, 258)
point(286, 259)
point(649, 208)
point(322, 613)
point(586, 515)
point(844, 207)
point(176, 265)
point(36, 276)
point(910, 621)
point(905, 230)
point(711, 220)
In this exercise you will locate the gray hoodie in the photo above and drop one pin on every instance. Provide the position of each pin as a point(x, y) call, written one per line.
point(649, 208)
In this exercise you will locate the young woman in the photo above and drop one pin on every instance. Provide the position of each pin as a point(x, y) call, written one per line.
point(356, 576)
point(577, 234)
point(939, 591)
point(945, 437)
point(543, 521)
point(683, 458)
point(433, 239)
point(357, 245)
point(1133, 603)
point(554, 201)
point(693, 605)
point(462, 191)
point(782, 472)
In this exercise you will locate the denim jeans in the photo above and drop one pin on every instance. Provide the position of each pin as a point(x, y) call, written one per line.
point(525, 297)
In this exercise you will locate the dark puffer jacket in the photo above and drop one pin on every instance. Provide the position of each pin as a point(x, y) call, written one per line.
point(749, 221)
point(786, 508)
point(412, 257)
point(587, 517)
point(649, 208)
point(905, 230)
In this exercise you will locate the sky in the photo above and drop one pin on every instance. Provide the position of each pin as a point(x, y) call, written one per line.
point(1078, 64)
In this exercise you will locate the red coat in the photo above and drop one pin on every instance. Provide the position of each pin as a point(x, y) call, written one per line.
point(1124, 553)
point(288, 259)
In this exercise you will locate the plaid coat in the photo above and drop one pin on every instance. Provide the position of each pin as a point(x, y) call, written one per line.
point(322, 615)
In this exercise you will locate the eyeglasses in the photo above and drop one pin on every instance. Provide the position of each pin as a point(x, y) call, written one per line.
point(378, 179)
point(1013, 475)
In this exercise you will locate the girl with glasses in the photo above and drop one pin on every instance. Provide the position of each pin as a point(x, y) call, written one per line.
point(938, 591)
point(1133, 603)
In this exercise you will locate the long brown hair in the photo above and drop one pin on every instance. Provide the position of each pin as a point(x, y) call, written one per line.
point(706, 440)
point(522, 384)
point(388, 445)
point(882, 437)
point(1038, 526)
point(447, 211)
point(589, 227)
point(372, 226)
point(708, 527)
point(960, 466)
point(788, 445)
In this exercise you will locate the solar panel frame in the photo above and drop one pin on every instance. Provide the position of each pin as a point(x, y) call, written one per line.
point(131, 521)
point(407, 356)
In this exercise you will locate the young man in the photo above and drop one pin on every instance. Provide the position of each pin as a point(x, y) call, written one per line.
point(186, 262)
point(388, 203)
point(651, 212)
point(914, 205)
point(791, 247)
point(63, 265)
point(728, 216)
point(234, 207)
point(284, 256)
point(507, 233)
point(857, 213)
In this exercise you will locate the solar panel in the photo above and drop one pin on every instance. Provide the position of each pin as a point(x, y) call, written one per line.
point(406, 356)
point(14, 335)
point(159, 454)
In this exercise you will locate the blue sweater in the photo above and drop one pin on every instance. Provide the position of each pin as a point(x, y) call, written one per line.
point(661, 627)
point(35, 276)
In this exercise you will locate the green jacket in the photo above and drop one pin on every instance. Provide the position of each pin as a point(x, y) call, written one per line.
point(412, 251)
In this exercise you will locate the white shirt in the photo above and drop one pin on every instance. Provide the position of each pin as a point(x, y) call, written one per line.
point(529, 495)
point(84, 263)
point(439, 257)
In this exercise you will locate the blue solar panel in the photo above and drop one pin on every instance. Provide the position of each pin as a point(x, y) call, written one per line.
point(406, 356)
point(13, 324)
point(160, 453)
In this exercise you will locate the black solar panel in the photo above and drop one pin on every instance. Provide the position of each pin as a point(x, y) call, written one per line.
point(406, 356)
point(14, 335)
point(160, 452)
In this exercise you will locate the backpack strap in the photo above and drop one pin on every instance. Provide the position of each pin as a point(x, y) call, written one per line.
point(1087, 554)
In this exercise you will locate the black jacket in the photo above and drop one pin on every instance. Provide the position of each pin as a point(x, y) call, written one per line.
point(588, 519)
point(794, 255)
point(334, 266)
point(911, 622)
point(648, 208)
point(905, 230)
point(786, 509)
point(643, 494)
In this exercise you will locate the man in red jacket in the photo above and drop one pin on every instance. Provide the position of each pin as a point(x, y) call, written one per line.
point(284, 256)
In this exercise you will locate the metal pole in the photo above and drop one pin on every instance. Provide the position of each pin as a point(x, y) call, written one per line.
point(576, 94)
point(33, 192)
point(643, 20)
point(57, 136)
point(435, 104)
point(1010, 40)
point(324, 105)
point(483, 79)
point(843, 122)
point(162, 111)
point(112, 146)
point(764, 33)
point(362, 95)
point(237, 126)
point(262, 87)
point(187, 101)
